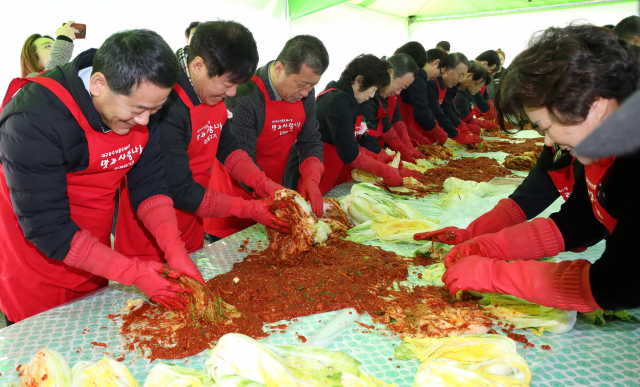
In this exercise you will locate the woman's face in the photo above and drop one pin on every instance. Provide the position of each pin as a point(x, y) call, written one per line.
point(397, 85)
point(43, 48)
point(569, 136)
point(363, 96)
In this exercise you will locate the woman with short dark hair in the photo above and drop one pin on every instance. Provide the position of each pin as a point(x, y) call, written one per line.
point(568, 82)
point(340, 122)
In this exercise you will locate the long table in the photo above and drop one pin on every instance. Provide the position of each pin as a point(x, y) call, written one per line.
point(588, 355)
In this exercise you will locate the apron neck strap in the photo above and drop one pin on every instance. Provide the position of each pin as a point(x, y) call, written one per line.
point(183, 95)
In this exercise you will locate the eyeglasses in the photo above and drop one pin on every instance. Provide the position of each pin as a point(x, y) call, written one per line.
point(47, 46)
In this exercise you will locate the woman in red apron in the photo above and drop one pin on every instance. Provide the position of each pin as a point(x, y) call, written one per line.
point(202, 130)
point(603, 203)
point(56, 206)
point(340, 122)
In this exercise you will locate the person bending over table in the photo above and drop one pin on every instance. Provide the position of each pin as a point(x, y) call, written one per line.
point(483, 104)
point(471, 83)
point(441, 93)
point(194, 133)
point(67, 139)
point(568, 81)
point(413, 102)
point(384, 122)
point(341, 122)
point(274, 114)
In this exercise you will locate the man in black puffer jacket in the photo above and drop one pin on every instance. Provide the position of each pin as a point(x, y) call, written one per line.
point(67, 139)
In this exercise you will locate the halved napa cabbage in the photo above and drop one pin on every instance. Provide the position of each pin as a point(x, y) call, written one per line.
point(293, 366)
point(108, 372)
point(47, 368)
point(169, 375)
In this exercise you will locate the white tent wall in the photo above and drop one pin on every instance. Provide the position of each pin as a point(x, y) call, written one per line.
point(265, 18)
point(347, 32)
point(511, 32)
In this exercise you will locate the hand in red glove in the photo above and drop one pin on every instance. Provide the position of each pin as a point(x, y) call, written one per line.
point(390, 175)
point(242, 168)
point(418, 137)
point(525, 241)
point(408, 172)
point(438, 134)
point(87, 253)
point(311, 171)
point(401, 130)
point(219, 205)
point(484, 124)
point(382, 157)
point(505, 214)
point(474, 129)
point(563, 285)
point(159, 217)
point(465, 137)
point(392, 138)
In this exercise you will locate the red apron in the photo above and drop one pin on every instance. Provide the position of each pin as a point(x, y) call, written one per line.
point(32, 282)
point(336, 171)
point(594, 174)
point(482, 90)
point(132, 238)
point(283, 121)
point(441, 93)
point(564, 179)
point(406, 111)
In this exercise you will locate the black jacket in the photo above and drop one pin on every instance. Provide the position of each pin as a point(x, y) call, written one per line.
point(445, 114)
point(462, 104)
point(337, 113)
point(537, 192)
point(480, 100)
point(40, 142)
point(174, 124)
point(369, 110)
point(614, 276)
point(416, 96)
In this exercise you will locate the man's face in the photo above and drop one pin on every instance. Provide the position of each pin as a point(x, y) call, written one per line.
point(210, 90)
point(120, 112)
point(492, 70)
point(293, 87)
point(396, 85)
point(453, 76)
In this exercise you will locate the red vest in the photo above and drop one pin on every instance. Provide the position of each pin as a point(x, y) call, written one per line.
point(594, 174)
point(283, 121)
point(32, 282)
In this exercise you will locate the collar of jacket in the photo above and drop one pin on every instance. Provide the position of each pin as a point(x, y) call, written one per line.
point(67, 76)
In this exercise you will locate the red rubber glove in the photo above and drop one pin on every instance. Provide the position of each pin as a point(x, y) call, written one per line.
point(404, 172)
point(505, 214)
point(382, 157)
point(396, 144)
point(476, 112)
point(474, 129)
point(401, 130)
point(525, 241)
point(311, 171)
point(242, 168)
point(390, 175)
point(218, 205)
point(491, 113)
point(88, 254)
point(563, 285)
point(465, 137)
point(418, 137)
point(159, 217)
point(484, 124)
point(438, 134)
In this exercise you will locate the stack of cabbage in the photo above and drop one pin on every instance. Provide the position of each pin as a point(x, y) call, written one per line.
point(295, 366)
point(474, 360)
point(377, 215)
